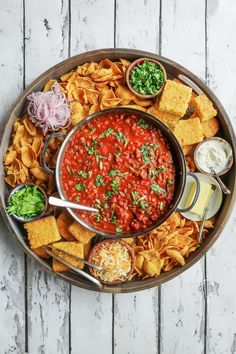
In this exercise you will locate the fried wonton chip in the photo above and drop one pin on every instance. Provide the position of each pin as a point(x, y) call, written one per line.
point(63, 222)
point(176, 256)
point(10, 156)
point(39, 173)
point(124, 94)
point(19, 135)
point(48, 85)
point(101, 75)
point(141, 102)
point(37, 145)
point(78, 113)
point(11, 180)
point(28, 156)
point(29, 126)
point(125, 63)
point(166, 246)
point(109, 100)
point(135, 106)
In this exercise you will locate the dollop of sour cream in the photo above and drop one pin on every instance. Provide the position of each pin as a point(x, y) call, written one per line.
point(215, 154)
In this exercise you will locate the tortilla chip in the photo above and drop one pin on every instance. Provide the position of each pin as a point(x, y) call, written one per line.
point(29, 126)
point(135, 106)
point(28, 156)
point(124, 94)
point(39, 173)
point(48, 85)
point(10, 156)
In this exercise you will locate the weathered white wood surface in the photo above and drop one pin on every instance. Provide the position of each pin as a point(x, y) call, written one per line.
point(182, 315)
point(42, 314)
point(91, 313)
point(138, 310)
point(12, 283)
point(46, 43)
point(221, 260)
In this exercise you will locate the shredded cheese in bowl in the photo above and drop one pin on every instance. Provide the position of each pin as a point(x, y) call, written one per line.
point(115, 258)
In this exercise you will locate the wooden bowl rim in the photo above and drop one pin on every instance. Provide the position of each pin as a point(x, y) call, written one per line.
point(130, 68)
point(129, 54)
point(111, 240)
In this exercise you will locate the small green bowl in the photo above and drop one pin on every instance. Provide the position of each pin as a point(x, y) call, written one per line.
point(20, 186)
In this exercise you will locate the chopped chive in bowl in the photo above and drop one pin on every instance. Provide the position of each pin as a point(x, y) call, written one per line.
point(147, 78)
point(27, 202)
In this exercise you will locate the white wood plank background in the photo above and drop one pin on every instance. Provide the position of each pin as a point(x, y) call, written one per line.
point(194, 313)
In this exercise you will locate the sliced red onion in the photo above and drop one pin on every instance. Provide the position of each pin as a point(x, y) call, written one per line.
point(49, 110)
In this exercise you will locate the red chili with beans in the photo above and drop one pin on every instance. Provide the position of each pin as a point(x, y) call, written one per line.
point(122, 166)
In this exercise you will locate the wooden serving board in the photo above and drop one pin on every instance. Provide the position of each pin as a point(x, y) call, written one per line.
point(173, 70)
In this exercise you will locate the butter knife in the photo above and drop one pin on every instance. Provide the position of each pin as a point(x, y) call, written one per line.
point(213, 188)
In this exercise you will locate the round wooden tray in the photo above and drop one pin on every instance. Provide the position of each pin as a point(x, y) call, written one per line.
point(173, 70)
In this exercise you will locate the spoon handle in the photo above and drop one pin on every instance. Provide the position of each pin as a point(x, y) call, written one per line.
point(225, 190)
point(64, 203)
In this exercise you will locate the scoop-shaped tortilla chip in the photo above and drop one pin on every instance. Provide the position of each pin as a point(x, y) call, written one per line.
point(39, 173)
point(28, 156)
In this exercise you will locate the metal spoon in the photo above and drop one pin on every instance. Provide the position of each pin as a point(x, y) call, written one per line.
point(225, 190)
point(74, 269)
point(65, 203)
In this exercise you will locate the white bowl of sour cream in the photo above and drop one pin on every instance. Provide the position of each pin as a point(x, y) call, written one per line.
point(213, 153)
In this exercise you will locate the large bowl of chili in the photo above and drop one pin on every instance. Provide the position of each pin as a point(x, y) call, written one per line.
point(125, 163)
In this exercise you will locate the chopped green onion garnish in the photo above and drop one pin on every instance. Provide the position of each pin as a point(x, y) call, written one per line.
point(27, 202)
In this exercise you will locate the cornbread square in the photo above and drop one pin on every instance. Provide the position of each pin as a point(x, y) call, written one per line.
point(175, 98)
point(59, 267)
point(64, 220)
point(73, 248)
point(193, 95)
point(204, 107)
point(210, 127)
point(87, 249)
point(189, 131)
point(42, 232)
point(80, 233)
point(167, 118)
